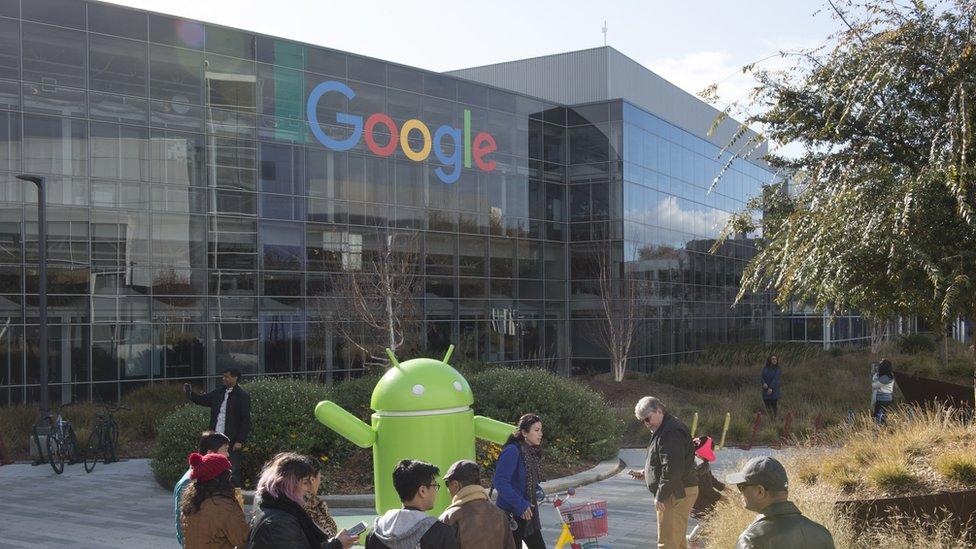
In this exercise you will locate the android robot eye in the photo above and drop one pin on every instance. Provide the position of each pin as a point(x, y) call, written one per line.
point(418, 389)
point(458, 387)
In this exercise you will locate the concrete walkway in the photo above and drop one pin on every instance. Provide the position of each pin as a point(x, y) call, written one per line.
point(121, 506)
point(630, 507)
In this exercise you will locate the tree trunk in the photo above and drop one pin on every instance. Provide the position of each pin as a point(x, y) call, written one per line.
point(942, 343)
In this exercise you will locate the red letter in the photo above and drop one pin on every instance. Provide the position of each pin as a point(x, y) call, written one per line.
point(380, 118)
point(479, 151)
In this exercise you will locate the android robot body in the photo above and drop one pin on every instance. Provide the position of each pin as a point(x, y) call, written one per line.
point(422, 410)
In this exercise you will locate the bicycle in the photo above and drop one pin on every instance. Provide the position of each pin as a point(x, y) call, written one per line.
point(584, 521)
point(104, 438)
point(62, 444)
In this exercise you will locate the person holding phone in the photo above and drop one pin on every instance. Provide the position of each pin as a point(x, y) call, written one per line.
point(280, 521)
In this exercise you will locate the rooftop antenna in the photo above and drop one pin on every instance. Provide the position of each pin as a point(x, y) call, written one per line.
point(604, 32)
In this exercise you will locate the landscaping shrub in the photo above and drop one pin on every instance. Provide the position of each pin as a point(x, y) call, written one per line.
point(961, 366)
point(890, 476)
point(911, 344)
point(282, 420)
point(577, 422)
point(353, 395)
point(957, 467)
point(178, 435)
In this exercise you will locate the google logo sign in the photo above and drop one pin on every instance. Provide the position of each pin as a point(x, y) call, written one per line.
point(461, 142)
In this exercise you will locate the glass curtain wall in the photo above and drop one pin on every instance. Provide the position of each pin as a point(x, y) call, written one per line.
point(193, 215)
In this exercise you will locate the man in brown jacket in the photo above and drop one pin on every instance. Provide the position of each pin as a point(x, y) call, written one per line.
point(480, 524)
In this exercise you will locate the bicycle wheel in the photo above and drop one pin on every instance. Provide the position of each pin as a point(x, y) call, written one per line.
point(94, 448)
point(111, 443)
point(55, 450)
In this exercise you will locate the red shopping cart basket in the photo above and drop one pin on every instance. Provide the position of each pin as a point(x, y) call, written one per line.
point(586, 520)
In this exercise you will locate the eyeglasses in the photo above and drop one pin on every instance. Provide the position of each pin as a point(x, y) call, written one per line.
point(434, 486)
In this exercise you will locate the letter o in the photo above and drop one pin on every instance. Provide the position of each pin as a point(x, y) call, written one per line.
point(371, 122)
point(414, 124)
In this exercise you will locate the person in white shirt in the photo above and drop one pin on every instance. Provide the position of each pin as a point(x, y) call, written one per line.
point(230, 414)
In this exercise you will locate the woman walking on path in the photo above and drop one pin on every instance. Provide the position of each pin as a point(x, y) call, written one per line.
point(517, 476)
point(210, 514)
point(883, 384)
point(770, 385)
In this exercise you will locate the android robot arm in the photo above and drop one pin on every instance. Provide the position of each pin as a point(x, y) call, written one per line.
point(344, 423)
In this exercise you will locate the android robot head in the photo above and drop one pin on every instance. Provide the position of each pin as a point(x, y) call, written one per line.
point(422, 385)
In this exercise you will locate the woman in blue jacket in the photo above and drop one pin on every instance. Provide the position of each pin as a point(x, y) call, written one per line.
point(770, 385)
point(517, 476)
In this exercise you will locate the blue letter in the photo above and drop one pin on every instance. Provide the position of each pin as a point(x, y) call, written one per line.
point(342, 118)
point(453, 160)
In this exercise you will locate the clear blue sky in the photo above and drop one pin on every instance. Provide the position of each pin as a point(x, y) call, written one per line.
point(690, 42)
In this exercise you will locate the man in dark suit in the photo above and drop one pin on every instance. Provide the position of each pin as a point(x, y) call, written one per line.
point(230, 414)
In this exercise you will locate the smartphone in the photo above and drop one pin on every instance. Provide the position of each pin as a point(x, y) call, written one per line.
point(357, 529)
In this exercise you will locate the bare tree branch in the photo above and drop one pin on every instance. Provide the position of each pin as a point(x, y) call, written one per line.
point(378, 292)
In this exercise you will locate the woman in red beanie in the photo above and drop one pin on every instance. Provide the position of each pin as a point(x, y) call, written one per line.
point(211, 516)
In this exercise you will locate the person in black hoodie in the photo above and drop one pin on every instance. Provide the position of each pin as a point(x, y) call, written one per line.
point(410, 527)
point(280, 521)
point(230, 414)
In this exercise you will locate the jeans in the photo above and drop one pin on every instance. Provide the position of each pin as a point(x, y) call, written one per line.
point(880, 410)
point(235, 463)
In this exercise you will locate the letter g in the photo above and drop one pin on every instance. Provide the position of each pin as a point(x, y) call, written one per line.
point(342, 118)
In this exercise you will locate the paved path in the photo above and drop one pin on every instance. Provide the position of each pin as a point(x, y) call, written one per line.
point(117, 505)
point(121, 506)
point(633, 523)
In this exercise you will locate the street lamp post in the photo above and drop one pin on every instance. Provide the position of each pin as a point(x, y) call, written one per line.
point(41, 287)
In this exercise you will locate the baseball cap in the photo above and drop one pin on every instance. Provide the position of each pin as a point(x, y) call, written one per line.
point(464, 470)
point(764, 471)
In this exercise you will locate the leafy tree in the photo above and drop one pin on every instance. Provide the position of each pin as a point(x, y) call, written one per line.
point(878, 212)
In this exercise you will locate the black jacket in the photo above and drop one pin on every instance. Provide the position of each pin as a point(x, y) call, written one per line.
point(670, 465)
point(237, 424)
point(282, 524)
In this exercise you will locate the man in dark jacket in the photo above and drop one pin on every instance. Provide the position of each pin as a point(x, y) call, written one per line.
point(669, 472)
point(764, 487)
point(416, 484)
point(230, 414)
point(480, 523)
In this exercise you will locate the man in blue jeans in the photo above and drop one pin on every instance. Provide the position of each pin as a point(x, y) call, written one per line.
point(210, 443)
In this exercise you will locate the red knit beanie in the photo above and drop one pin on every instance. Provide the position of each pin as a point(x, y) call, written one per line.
point(208, 467)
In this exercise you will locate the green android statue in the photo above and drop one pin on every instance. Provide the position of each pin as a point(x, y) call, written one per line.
point(422, 410)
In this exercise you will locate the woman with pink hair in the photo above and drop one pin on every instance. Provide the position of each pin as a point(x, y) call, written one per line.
point(280, 521)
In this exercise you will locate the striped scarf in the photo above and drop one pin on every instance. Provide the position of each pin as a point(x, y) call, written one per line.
point(532, 455)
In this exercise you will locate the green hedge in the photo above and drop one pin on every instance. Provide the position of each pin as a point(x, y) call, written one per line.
point(577, 423)
point(281, 419)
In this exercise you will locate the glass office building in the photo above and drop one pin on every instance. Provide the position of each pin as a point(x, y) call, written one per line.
point(206, 184)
